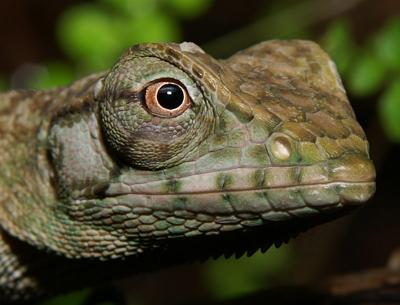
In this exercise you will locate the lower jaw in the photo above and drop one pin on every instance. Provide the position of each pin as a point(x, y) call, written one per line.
point(193, 214)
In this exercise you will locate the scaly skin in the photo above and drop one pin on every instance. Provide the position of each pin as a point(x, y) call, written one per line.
point(94, 185)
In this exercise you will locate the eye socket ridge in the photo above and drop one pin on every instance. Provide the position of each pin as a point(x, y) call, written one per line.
point(166, 98)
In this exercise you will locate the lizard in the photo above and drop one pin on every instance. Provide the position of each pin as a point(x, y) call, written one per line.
point(173, 156)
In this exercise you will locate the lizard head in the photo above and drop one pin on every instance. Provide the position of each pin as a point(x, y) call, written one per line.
point(176, 150)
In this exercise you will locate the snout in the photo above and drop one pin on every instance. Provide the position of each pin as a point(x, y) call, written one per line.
point(355, 176)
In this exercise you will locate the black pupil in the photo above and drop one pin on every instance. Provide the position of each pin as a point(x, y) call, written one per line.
point(170, 96)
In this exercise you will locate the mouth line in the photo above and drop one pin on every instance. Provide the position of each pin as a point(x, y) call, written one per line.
point(298, 187)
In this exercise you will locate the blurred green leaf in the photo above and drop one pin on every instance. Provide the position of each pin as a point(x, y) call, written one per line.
point(54, 74)
point(232, 278)
point(367, 75)
point(386, 44)
point(158, 27)
point(3, 83)
point(88, 35)
point(95, 40)
point(188, 8)
point(389, 107)
point(339, 43)
point(75, 298)
point(133, 7)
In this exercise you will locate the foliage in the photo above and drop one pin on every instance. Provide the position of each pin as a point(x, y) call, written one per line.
point(3, 82)
point(340, 44)
point(386, 44)
point(231, 278)
point(371, 69)
point(54, 73)
point(390, 110)
point(76, 298)
point(94, 34)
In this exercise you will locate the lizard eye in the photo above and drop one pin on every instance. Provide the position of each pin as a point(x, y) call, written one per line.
point(167, 99)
